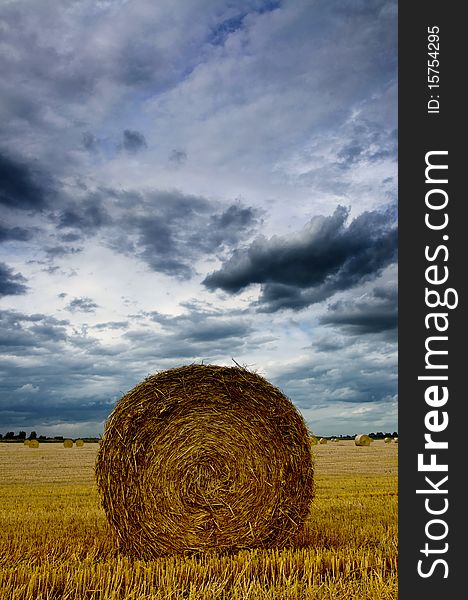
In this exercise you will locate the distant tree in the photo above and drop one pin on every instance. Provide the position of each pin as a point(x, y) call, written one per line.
point(32, 435)
point(41, 437)
point(1, 436)
point(58, 437)
point(395, 434)
point(10, 435)
point(22, 435)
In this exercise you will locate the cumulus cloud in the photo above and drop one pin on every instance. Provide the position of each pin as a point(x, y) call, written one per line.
point(83, 304)
point(18, 234)
point(298, 270)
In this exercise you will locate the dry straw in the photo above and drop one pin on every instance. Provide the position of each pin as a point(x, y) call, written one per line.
point(362, 440)
point(323, 441)
point(395, 440)
point(79, 443)
point(26, 443)
point(387, 440)
point(313, 440)
point(202, 458)
point(33, 444)
point(68, 443)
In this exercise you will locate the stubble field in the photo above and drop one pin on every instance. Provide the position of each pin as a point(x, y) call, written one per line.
point(55, 543)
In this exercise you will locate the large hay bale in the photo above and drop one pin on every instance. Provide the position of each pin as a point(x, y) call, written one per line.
point(202, 458)
point(313, 440)
point(26, 443)
point(323, 441)
point(387, 440)
point(33, 444)
point(79, 443)
point(395, 440)
point(362, 440)
point(68, 443)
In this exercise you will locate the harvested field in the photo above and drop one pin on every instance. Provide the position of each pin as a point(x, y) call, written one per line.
point(55, 541)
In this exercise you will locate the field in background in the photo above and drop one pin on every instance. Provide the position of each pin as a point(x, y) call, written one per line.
point(55, 544)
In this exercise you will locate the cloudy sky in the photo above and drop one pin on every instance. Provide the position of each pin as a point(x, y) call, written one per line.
point(197, 181)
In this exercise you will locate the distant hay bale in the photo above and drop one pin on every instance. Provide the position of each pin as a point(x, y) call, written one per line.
point(201, 458)
point(362, 440)
point(33, 444)
point(68, 443)
point(395, 440)
point(26, 443)
point(313, 440)
point(323, 441)
point(387, 440)
point(79, 443)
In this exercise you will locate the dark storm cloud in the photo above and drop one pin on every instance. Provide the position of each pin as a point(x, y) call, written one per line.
point(363, 374)
point(22, 332)
point(56, 370)
point(11, 283)
point(87, 216)
point(18, 234)
point(133, 141)
point(327, 256)
point(178, 229)
point(22, 186)
point(46, 364)
point(375, 313)
point(82, 304)
point(59, 251)
point(235, 218)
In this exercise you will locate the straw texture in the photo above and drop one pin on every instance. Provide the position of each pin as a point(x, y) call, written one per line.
point(203, 458)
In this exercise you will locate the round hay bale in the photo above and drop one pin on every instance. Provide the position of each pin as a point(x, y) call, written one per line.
point(323, 441)
point(387, 440)
point(395, 440)
point(362, 440)
point(313, 440)
point(26, 443)
point(68, 443)
point(33, 444)
point(79, 443)
point(201, 458)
